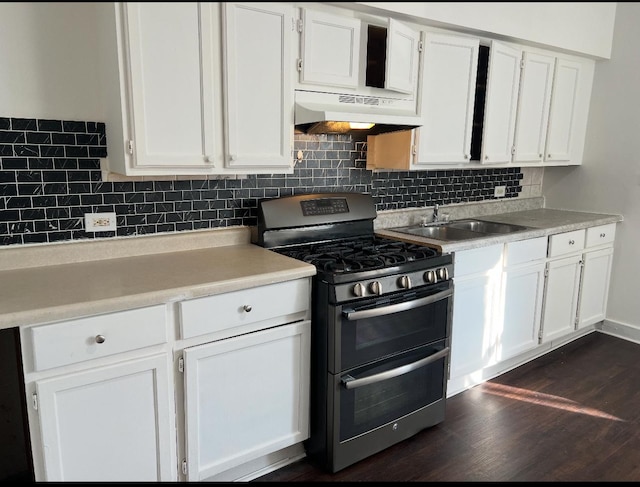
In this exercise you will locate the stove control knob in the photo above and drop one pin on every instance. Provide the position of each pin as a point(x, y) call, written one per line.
point(443, 273)
point(376, 287)
point(358, 290)
point(405, 282)
point(430, 277)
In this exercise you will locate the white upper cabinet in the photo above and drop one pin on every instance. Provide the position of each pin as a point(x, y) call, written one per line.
point(533, 107)
point(562, 116)
point(503, 81)
point(402, 58)
point(196, 91)
point(448, 86)
point(175, 117)
point(330, 46)
point(259, 85)
point(367, 56)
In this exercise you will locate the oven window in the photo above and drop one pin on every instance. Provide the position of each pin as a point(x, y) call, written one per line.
point(372, 405)
point(367, 339)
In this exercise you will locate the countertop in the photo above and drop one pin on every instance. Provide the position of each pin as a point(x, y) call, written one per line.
point(65, 290)
point(47, 283)
point(541, 222)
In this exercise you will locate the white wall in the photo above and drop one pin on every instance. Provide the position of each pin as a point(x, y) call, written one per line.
point(583, 28)
point(609, 179)
point(48, 64)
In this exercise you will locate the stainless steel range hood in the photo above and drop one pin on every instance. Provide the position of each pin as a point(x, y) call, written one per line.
point(330, 113)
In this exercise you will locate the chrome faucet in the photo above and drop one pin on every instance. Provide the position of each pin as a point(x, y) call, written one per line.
point(434, 217)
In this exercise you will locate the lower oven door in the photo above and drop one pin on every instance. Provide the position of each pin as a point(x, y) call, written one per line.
point(370, 329)
point(380, 404)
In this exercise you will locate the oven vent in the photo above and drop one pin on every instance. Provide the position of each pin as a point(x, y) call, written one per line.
point(362, 100)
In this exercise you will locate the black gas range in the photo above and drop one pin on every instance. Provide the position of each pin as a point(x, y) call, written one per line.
point(381, 323)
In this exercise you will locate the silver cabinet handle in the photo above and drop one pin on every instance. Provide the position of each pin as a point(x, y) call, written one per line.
point(350, 383)
point(571, 242)
point(602, 235)
point(247, 308)
point(100, 338)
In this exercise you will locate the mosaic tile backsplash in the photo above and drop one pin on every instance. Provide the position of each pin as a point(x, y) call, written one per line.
point(50, 177)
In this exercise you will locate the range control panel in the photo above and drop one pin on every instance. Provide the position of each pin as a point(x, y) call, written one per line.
point(324, 206)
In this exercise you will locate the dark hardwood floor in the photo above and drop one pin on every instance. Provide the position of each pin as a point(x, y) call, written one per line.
point(571, 415)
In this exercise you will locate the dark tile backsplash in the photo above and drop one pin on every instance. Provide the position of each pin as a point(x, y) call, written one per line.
point(50, 177)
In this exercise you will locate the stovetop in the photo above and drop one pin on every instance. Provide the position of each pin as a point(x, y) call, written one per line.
point(365, 257)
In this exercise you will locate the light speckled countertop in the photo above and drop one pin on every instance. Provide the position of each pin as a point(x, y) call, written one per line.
point(540, 221)
point(133, 272)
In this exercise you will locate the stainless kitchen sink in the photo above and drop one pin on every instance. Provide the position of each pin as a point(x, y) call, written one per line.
point(460, 229)
point(485, 226)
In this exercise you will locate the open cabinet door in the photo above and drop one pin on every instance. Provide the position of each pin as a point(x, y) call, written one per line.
point(401, 71)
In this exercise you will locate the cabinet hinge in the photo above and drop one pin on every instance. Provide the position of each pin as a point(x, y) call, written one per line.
point(581, 263)
point(420, 46)
point(181, 364)
point(300, 65)
point(299, 25)
point(540, 336)
point(513, 150)
point(522, 64)
point(414, 150)
point(34, 399)
point(130, 146)
point(184, 466)
point(546, 272)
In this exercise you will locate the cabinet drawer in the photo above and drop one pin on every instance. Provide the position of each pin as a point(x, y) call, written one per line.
point(83, 339)
point(566, 243)
point(600, 235)
point(525, 251)
point(224, 312)
point(474, 261)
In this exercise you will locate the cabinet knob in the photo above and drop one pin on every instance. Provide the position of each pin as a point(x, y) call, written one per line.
point(602, 235)
point(100, 338)
point(208, 159)
point(247, 308)
point(466, 156)
point(571, 242)
point(233, 157)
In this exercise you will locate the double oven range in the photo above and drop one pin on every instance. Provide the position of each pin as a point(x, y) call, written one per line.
point(381, 323)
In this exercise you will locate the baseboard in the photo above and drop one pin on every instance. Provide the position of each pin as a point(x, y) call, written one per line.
point(620, 330)
point(261, 466)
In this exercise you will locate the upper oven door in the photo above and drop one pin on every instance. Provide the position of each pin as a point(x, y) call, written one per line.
point(367, 330)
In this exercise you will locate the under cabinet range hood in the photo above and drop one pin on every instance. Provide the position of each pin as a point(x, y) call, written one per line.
point(340, 113)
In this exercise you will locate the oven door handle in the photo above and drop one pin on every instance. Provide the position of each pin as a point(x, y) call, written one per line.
point(394, 308)
point(351, 383)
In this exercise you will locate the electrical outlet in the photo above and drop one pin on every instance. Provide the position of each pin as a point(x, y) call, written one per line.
point(99, 222)
point(499, 191)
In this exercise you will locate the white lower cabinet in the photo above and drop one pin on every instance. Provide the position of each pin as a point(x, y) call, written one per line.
point(518, 325)
point(245, 397)
point(101, 405)
point(561, 297)
point(497, 307)
point(476, 298)
point(577, 281)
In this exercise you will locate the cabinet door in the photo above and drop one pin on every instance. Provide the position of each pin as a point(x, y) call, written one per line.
point(113, 423)
point(402, 58)
point(258, 78)
point(518, 329)
point(474, 306)
point(245, 397)
point(533, 107)
point(563, 110)
point(560, 297)
point(594, 288)
point(330, 47)
point(175, 113)
point(503, 80)
point(448, 87)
